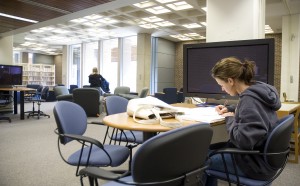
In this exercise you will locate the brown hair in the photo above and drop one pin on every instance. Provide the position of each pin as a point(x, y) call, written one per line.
point(234, 68)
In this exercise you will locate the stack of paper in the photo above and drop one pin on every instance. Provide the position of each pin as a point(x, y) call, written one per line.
point(204, 114)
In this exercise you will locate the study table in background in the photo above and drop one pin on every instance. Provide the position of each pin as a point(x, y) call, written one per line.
point(16, 90)
point(292, 108)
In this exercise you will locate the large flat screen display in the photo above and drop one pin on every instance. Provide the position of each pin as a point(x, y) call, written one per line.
point(10, 75)
point(199, 59)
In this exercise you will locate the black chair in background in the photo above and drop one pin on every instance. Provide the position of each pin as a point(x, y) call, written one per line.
point(39, 98)
point(71, 121)
point(89, 100)
point(169, 95)
point(275, 154)
point(177, 157)
point(72, 87)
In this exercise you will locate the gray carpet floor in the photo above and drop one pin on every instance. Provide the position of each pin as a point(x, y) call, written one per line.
point(29, 155)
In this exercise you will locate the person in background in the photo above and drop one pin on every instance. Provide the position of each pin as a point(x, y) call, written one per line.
point(247, 124)
point(95, 79)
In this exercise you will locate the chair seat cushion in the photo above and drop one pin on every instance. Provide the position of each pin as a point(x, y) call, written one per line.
point(243, 180)
point(118, 154)
point(129, 136)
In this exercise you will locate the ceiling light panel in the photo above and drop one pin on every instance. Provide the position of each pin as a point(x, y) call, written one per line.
point(182, 5)
point(165, 1)
point(165, 24)
point(158, 10)
point(145, 4)
point(152, 19)
point(192, 25)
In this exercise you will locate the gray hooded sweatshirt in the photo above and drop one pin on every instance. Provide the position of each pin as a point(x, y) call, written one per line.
point(255, 116)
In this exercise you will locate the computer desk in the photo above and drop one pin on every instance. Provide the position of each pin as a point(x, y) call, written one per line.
point(125, 122)
point(16, 90)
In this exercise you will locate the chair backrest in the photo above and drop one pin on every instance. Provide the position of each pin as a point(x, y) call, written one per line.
point(70, 119)
point(172, 154)
point(170, 96)
point(144, 92)
point(60, 90)
point(72, 87)
point(115, 104)
point(88, 99)
point(122, 90)
point(45, 92)
point(279, 141)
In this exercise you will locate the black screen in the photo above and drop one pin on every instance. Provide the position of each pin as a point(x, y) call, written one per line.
point(11, 75)
point(199, 59)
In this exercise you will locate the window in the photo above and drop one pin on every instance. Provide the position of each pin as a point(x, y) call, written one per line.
point(74, 65)
point(129, 62)
point(109, 64)
point(90, 60)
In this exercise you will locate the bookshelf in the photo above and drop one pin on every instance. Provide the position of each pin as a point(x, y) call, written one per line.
point(41, 74)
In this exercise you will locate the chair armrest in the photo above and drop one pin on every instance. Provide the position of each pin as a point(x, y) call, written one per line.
point(128, 96)
point(84, 138)
point(233, 151)
point(100, 173)
point(134, 93)
point(67, 97)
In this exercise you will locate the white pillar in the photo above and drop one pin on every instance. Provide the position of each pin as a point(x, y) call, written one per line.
point(6, 50)
point(235, 20)
point(290, 56)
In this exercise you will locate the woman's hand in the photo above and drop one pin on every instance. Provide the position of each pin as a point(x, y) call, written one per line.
point(221, 109)
point(228, 114)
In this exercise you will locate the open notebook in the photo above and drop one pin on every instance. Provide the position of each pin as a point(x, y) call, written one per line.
point(204, 114)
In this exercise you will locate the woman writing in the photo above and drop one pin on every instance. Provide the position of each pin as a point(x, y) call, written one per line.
point(250, 122)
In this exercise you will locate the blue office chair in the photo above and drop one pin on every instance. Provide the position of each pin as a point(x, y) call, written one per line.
point(177, 157)
point(41, 95)
point(275, 154)
point(71, 123)
point(115, 105)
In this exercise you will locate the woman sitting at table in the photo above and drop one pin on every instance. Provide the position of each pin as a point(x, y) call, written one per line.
point(250, 122)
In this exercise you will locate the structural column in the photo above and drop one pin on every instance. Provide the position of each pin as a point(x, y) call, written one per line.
point(235, 20)
point(290, 57)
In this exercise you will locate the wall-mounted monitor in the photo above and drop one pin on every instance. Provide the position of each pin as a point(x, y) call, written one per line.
point(199, 59)
point(10, 75)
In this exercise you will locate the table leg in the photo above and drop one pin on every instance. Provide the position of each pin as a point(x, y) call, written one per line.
point(15, 102)
point(21, 105)
point(148, 135)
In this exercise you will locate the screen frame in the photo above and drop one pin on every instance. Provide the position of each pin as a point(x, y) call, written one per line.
point(20, 81)
point(270, 66)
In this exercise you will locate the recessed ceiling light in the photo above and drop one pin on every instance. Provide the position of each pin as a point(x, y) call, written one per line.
point(148, 26)
point(164, 23)
point(107, 20)
point(152, 19)
point(144, 4)
point(79, 20)
point(268, 29)
point(60, 31)
point(165, 1)
point(158, 10)
point(204, 8)
point(203, 23)
point(93, 17)
point(18, 18)
point(181, 37)
point(192, 25)
point(182, 5)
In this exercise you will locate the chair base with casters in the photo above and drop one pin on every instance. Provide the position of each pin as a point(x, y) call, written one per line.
point(39, 99)
point(177, 157)
point(38, 113)
point(275, 156)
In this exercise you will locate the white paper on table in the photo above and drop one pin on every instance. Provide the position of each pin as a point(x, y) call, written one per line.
point(204, 114)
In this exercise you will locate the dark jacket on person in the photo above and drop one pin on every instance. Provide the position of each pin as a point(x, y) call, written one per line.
point(95, 80)
point(255, 116)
